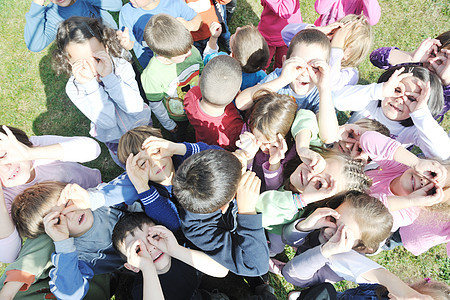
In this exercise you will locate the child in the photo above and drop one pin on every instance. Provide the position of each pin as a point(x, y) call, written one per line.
point(170, 74)
point(330, 241)
point(228, 231)
point(27, 161)
point(248, 47)
point(209, 107)
point(431, 53)
point(134, 17)
point(408, 103)
point(102, 83)
point(82, 237)
point(351, 39)
point(332, 10)
point(307, 48)
point(138, 238)
point(43, 20)
point(274, 17)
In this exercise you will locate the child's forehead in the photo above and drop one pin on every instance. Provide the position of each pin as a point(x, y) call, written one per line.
point(310, 52)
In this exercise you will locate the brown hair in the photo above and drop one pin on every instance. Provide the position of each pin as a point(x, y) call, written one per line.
point(132, 140)
point(373, 125)
point(272, 113)
point(166, 36)
point(250, 49)
point(80, 30)
point(221, 80)
point(359, 40)
point(20, 135)
point(437, 290)
point(444, 38)
point(30, 207)
point(310, 36)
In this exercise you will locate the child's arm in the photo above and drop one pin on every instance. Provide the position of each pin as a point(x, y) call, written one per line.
point(40, 31)
point(10, 290)
point(292, 67)
point(193, 24)
point(9, 236)
point(164, 239)
point(212, 47)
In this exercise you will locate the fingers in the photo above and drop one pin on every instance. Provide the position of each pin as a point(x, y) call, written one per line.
point(51, 219)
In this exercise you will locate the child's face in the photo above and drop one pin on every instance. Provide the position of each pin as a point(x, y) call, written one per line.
point(346, 218)
point(161, 260)
point(303, 177)
point(15, 174)
point(84, 51)
point(160, 169)
point(309, 53)
point(266, 143)
point(63, 3)
point(407, 183)
point(397, 108)
point(79, 221)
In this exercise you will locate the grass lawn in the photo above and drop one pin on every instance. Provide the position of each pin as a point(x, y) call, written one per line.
point(33, 98)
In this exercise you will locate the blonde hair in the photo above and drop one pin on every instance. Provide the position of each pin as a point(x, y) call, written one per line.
point(437, 290)
point(250, 49)
point(30, 207)
point(131, 141)
point(373, 125)
point(272, 113)
point(359, 41)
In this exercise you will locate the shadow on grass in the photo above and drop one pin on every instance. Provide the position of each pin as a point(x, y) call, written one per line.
point(63, 118)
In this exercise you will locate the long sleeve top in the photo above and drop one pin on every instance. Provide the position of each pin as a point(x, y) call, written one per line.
point(76, 149)
point(42, 21)
point(113, 105)
point(331, 11)
point(236, 241)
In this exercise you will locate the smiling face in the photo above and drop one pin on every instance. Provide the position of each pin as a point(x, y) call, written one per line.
point(396, 108)
point(407, 183)
point(161, 170)
point(16, 174)
point(302, 84)
point(161, 260)
point(79, 221)
point(302, 176)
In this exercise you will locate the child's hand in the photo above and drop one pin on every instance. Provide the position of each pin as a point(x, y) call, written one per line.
point(55, 225)
point(319, 188)
point(419, 100)
point(248, 193)
point(321, 217)
point(16, 151)
point(342, 241)
point(103, 63)
point(39, 2)
point(75, 193)
point(329, 30)
point(426, 49)
point(428, 195)
point(350, 133)
point(248, 142)
point(312, 159)
point(138, 257)
point(124, 38)
point(432, 170)
point(341, 34)
point(83, 71)
point(242, 156)
point(138, 169)
point(319, 73)
point(292, 68)
point(277, 150)
point(441, 65)
point(163, 239)
point(158, 148)
point(215, 29)
point(394, 87)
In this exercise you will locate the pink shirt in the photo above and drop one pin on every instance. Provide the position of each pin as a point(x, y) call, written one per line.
point(223, 130)
point(331, 11)
point(275, 16)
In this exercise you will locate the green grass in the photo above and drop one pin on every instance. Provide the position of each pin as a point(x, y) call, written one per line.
point(33, 98)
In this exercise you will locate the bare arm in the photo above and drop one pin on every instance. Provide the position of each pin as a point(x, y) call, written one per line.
point(10, 290)
point(192, 25)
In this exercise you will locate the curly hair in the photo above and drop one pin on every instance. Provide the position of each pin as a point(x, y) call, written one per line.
point(80, 30)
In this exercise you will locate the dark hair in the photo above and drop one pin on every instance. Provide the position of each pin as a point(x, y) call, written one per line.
point(30, 207)
point(206, 181)
point(444, 38)
point(79, 30)
point(310, 36)
point(167, 37)
point(221, 80)
point(250, 49)
point(435, 102)
point(127, 225)
point(20, 135)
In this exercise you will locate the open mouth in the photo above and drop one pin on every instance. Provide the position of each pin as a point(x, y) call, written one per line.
point(161, 169)
point(158, 256)
point(395, 108)
point(14, 173)
point(81, 219)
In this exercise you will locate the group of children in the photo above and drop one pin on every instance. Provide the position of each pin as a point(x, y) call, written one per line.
point(270, 165)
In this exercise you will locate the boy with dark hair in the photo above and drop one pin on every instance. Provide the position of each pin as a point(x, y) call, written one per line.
point(209, 107)
point(134, 16)
point(173, 70)
point(228, 230)
point(139, 239)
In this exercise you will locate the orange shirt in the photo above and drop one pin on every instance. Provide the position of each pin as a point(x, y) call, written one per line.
point(208, 13)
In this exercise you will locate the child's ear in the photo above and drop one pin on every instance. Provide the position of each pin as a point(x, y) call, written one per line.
point(131, 268)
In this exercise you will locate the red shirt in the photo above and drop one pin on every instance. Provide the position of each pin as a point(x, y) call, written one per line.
point(223, 130)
